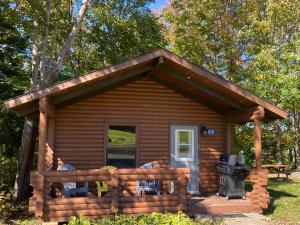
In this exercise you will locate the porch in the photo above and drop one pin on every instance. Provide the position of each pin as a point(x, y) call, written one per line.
point(121, 197)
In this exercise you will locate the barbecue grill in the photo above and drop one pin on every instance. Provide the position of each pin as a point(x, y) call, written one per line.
point(232, 176)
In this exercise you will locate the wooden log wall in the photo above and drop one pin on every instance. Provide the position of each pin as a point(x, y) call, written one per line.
point(80, 127)
point(62, 209)
point(259, 195)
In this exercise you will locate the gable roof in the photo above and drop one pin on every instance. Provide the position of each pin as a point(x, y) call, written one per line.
point(165, 67)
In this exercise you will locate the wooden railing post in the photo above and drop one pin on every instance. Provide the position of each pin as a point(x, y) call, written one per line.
point(114, 185)
point(259, 196)
point(182, 191)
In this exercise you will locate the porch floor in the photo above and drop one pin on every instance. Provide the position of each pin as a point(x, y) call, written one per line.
point(217, 205)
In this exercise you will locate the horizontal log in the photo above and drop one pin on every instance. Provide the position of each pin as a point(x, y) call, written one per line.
point(78, 178)
point(148, 204)
point(141, 171)
point(72, 207)
point(92, 212)
point(147, 210)
point(149, 177)
point(147, 198)
point(78, 200)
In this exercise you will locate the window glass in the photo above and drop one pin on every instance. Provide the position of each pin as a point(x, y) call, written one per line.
point(184, 151)
point(121, 146)
point(184, 144)
point(184, 137)
point(121, 135)
point(121, 157)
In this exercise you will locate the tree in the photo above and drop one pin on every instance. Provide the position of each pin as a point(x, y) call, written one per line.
point(254, 43)
point(114, 31)
point(46, 64)
point(13, 79)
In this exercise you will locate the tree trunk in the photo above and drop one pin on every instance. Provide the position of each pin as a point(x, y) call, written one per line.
point(280, 157)
point(296, 129)
point(29, 135)
point(24, 166)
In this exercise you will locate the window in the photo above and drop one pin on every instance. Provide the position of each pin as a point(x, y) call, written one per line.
point(184, 144)
point(121, 146)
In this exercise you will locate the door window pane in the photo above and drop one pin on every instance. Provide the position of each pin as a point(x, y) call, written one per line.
point(184, 151)
point(184, 137)
point(184, 144)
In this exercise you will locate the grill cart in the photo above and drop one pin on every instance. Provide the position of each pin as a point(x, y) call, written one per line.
point(232, 176)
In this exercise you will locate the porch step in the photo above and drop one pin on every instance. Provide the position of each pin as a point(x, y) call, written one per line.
point(215, 205)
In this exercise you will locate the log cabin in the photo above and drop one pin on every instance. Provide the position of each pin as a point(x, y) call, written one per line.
point(156, 108)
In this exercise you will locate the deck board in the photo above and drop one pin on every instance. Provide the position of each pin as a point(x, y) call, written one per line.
point(216, 205)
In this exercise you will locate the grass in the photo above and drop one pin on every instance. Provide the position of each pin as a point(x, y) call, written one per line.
point(284, 206)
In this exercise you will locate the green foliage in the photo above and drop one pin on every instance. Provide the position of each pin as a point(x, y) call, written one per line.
point(154, 219)
point(114, 31)
point(254, 43)
point(7, 173)
point(13, 81)
point(12, 211)
point(79, 221)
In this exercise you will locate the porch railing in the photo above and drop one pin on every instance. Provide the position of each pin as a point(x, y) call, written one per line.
point(121, 196)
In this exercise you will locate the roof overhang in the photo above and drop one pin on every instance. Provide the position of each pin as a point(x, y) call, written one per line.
point(197, 83)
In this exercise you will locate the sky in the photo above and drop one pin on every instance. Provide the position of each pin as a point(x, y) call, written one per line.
point(158, 5)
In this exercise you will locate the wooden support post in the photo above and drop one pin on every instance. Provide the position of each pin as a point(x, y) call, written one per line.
point(42, 134)
point(50, 143)
point(44, 152)
point(182, 192)
point(257, 144)
point(257, 116)
point(114, 191)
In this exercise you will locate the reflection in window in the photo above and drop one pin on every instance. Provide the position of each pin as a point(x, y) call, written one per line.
point(121, 146)
point(121, 135)
point(184, 144)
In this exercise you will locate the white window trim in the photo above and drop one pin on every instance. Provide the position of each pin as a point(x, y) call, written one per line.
point(176, 149)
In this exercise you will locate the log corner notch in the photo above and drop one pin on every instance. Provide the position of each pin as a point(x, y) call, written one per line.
point(45, 150)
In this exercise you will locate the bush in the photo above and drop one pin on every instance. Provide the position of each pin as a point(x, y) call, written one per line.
point(150, 219)
point(7, 173)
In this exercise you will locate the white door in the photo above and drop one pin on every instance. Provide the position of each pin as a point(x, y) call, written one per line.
point(184, 153)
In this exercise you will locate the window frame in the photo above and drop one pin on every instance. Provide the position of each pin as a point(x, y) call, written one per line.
point(177, 158)
point(120, 123)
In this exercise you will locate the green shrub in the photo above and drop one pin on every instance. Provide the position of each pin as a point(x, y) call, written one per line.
point(7, 173)
point(79, 221)
point(152, 219)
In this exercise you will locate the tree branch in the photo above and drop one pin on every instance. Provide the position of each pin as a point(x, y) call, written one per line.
point(53, 74)
point(44, 41)
point(35, 54)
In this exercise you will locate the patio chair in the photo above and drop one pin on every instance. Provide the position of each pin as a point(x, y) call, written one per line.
point(142, 186)
point(70, 188)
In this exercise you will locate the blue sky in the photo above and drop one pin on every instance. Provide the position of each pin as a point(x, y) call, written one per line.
point(158, 5)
